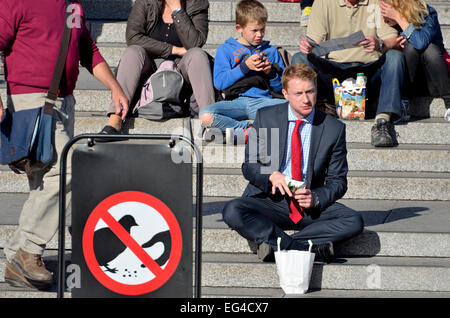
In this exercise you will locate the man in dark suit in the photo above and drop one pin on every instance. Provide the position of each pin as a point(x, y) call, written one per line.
point(296, 140)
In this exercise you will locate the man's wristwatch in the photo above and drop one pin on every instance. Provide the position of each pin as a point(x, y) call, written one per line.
point(381, 49)
point(316, 201)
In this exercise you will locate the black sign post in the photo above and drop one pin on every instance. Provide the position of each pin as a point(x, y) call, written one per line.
point(131, 217)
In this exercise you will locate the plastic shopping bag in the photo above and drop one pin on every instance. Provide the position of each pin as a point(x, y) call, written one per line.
point(294, 269)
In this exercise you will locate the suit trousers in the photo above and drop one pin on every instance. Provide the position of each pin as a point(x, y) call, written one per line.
point(265, 218)
point(38, 220)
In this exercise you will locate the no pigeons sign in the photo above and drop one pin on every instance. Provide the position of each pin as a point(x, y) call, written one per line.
point(132, 243)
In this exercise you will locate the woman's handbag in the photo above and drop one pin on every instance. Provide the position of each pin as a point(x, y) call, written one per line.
point(27, 136)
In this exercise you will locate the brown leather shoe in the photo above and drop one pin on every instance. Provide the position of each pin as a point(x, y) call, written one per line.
point(15, 278)
point(32, 267)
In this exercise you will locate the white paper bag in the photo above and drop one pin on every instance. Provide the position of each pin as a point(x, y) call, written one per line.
point(294, 269)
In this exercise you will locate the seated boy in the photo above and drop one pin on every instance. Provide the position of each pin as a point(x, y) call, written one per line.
point(248, 71)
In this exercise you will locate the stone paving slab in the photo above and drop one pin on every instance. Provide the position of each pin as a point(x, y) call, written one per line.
point(392, 228)
point(223, 10)
point(387, 187)
point(278, 33)
point(359, 187)
point(379, 215)
point(92, 96)
point(7, 291)
point(378, 273)
point(360, 157)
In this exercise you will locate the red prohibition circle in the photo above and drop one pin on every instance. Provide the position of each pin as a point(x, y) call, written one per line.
point(161, 275)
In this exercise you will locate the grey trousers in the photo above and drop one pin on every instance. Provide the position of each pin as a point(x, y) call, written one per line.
point(38, 220)
point(136, 66)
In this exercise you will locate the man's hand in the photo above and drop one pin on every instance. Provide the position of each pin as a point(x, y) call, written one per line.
point(304, 198)
point(370, 44)
point(305, 47)
point(120, 102)
point(278, 181)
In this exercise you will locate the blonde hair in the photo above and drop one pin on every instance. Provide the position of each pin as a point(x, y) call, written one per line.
point(414, 11)
point(300, 70)
point(250, 11)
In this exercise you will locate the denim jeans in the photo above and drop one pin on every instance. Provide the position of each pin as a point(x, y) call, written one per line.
point(235, 113)
point(432, 64)
point(385, 76)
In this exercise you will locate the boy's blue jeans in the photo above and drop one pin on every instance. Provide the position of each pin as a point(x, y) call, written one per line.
point(236, 113)
point(385, 77)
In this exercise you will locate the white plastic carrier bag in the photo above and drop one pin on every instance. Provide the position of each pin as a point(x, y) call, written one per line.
point(294, 269)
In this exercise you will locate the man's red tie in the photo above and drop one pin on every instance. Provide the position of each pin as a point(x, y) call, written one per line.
point(296, 212)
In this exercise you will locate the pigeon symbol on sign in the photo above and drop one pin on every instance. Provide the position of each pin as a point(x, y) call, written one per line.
point(115, 246)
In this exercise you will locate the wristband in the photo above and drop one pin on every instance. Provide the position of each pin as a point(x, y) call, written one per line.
point(176, 10)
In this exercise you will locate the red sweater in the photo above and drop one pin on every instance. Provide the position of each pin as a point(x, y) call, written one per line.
point(30, 37)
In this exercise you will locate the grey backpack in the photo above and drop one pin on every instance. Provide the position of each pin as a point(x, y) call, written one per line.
point(160, 96)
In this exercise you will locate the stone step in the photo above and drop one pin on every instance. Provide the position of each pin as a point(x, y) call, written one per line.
point(368, 243)
point(278, 33)
point(113, 51)
point(361, 185)
point(7, 291)
point(392, 228)
point(426, 131)
point(377, 273)
point(92, 96)
point(363, 273)
point(419, 132)
point(361, 157)
point(221, 16)
point(224, 10)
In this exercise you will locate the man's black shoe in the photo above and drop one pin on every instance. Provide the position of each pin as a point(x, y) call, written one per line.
point(253, 246)
point(265, 253)
point(382, 133)
point(324, 253)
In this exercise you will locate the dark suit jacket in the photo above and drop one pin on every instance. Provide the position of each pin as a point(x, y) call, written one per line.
point(327, 166)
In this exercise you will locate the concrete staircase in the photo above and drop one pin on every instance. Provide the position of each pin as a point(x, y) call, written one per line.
point(403, 193)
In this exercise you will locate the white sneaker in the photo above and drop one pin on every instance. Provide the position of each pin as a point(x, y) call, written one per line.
point(447, 115)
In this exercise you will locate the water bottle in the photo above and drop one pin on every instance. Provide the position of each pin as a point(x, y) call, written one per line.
point(361, 80)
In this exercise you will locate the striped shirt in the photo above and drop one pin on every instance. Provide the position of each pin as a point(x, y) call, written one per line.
point(305, 135)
